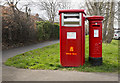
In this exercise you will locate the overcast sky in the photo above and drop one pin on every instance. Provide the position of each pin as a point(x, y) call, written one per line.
point(34, 9)
point(74, 4)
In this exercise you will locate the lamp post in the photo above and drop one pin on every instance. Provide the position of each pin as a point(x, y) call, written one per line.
point(29, 11)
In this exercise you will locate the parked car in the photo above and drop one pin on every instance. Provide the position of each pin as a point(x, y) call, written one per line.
point(116, 34)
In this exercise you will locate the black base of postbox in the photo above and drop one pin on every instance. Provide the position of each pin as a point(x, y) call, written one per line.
point(95, 61)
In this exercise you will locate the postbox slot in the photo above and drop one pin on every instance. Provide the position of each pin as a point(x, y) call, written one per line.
point(71, 19)
point(71, 14)
point(73, 23)
point(96, 25)
point(66, 17)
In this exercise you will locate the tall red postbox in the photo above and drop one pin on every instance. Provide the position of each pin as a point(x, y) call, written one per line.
point(95, 40)
point(72, 38)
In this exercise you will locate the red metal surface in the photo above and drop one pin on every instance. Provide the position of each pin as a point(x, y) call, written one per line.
point(72, 51)
point(72, 11)
point(83, 41)
point(95, 43)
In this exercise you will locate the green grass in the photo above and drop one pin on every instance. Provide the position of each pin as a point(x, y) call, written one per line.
point(48, 58)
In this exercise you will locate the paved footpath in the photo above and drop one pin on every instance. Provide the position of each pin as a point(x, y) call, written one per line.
point(15, 74)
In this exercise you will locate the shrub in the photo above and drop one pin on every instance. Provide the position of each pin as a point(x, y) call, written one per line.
point(40, 30)
point(55, 32)
point(47, 27)
point(47, 30)
point(17, 28)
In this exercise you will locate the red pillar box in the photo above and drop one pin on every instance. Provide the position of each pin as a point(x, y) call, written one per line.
point(95, 40)
point(72, 38)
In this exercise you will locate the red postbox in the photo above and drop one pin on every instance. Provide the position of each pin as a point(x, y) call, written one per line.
point(95, 40)
point(72, 38)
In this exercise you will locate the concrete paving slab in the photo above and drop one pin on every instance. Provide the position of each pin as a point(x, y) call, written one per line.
point(15, 74)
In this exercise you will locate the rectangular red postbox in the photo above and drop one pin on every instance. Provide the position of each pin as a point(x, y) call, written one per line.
point(72, 38)
point(95, 40)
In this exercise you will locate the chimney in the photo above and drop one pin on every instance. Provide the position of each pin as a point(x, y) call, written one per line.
point(37, 16)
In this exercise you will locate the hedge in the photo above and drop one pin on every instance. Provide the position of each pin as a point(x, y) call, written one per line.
point(47, 30)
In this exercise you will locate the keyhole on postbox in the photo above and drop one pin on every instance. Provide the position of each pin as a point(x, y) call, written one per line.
point(71, 49)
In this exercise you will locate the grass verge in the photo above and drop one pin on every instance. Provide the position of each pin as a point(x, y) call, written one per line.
point(48, 58)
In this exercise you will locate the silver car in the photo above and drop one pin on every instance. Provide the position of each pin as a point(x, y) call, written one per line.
point(116, 34)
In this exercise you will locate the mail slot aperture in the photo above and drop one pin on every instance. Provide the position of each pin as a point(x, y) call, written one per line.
point(71, 19)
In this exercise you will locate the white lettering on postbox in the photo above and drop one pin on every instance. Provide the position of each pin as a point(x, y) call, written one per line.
point(71, 35)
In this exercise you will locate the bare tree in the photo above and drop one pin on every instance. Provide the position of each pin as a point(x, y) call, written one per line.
point(104, 8)
point(110, 28)
point(51, 7)
point(64, 4)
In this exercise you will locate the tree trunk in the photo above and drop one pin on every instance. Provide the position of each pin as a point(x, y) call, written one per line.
point(105, 23)
point(109, 36)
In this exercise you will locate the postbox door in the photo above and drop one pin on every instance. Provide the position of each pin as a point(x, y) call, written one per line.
point(96, 38)
point(71, 46)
